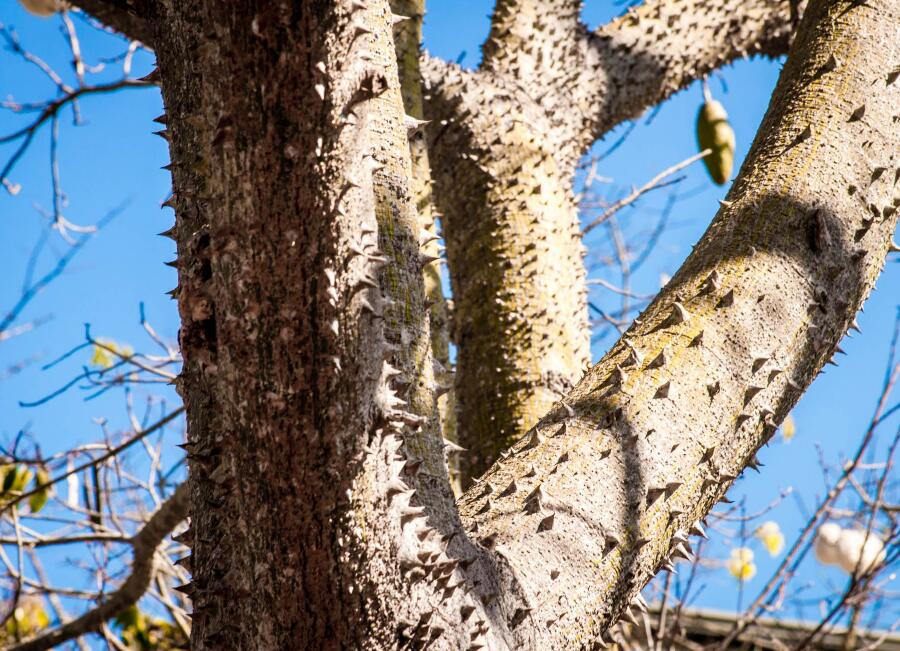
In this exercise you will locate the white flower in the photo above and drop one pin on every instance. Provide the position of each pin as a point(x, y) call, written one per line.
point(741, 565)
point(855, 548)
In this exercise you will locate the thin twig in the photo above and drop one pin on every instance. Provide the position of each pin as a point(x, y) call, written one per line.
point(145, 542)
point(635, 194)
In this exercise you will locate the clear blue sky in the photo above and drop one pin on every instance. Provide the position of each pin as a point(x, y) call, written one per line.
point(115, 158)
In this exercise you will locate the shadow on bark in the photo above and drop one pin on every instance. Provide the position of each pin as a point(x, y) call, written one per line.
point(818, 244)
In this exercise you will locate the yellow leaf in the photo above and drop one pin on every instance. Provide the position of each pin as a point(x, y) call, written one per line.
point(788, 428)
point(27, 619)
point(108, 353)
point(15, 478)
point(741, 565)
point(772, 538)
point(37, 501)
point(130, 618)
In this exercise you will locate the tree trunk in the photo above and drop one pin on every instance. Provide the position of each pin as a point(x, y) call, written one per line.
point(407, 39)
point(605, 490)
point(305, 340)
point(515, 254)
point(505, 141)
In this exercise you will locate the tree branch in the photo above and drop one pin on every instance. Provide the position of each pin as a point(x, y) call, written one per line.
point(529, 38)
point(661, 47)
point(145, 542)
point(121, 16)
point(587, 83)
point(636, 193)
point(504, 142)
point(604, 491)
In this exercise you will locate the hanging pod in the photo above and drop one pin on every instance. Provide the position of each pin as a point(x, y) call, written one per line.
point(715, 133)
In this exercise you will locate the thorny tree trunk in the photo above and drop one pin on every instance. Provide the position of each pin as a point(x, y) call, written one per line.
point(322, 517)
point(661, 427)
point(291, 167)
point(505, 143)
point(407, 39)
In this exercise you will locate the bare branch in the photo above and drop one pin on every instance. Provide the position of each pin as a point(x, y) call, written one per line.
point(655, 182)
point(138, 436)
point(145, 542)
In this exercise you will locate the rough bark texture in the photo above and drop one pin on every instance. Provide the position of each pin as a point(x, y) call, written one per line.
point(322, 514)
point(515, 257)
point(604, 490)
point(505, 142)
point(407, 44)
point(302, 320)
point(322, 499)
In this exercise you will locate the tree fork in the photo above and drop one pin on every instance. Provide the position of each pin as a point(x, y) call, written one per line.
point(619, 473)
point(312, 524)
point(505, 142)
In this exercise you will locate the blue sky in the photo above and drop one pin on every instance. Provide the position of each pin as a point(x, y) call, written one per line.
point(114, 159)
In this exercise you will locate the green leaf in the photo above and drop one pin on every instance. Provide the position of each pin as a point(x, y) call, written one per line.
point(37, 501)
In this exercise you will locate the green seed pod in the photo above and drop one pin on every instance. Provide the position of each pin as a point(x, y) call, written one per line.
point(714, 132)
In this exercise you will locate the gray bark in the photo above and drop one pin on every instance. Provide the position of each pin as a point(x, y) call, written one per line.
point(606, 488)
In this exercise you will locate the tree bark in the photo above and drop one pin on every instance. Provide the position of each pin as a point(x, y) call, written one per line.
point(407, 43)
point(505, 141)
point(515, 258)
point(605, 490)
point(322, 517)
point(305, 341)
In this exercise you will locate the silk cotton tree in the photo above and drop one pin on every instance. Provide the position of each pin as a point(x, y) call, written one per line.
point(321, 509)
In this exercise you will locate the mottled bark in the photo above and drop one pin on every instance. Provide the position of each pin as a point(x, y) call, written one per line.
point(659, 48)
point(515, 257)
point(505, 141)
point(588, 82)
point(305, 341)
point(322, 517)
point(607, 487)
point(407, 44)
